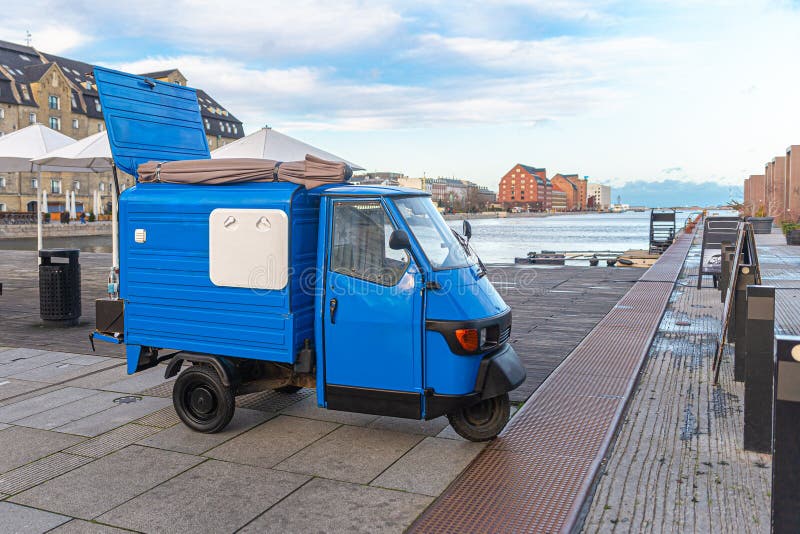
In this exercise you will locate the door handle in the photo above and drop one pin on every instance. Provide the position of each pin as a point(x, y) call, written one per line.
point(332, 307)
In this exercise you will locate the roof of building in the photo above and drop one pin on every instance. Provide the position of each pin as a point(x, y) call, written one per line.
point(25, 65)
point(159, 73)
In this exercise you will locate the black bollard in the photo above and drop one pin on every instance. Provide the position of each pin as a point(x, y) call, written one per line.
point(786, 440)
point(759, 354)
point(746, 277)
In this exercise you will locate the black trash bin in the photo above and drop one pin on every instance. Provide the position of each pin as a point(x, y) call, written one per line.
point(60, 287)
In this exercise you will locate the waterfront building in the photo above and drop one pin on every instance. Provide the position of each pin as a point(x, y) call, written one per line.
point(580, 184)
point(563, 184)
point(778, 184)
point(559, 200)
point(792, 183)
point(37, 87)
point(526, 187)
point(413, 183)
point(600, 196)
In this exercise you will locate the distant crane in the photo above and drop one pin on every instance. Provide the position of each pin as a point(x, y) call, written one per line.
point(28, 38)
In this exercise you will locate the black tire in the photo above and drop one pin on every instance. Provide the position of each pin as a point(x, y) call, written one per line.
point(288, 389)
point(482, 421)
point(200, 399)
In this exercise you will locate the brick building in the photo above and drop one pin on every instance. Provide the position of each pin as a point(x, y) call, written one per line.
point(792, 183)
point(570, 189)
point(775, 186)
point(559, 200)
point(526, 187)
point(36, 87)
point(758, 193)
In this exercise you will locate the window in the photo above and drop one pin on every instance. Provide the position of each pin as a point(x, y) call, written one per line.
point(25, 94)
point(3, 207)
point(26, 58)
point(34, 183)
point(55, 186)
point(208, 124)
point(97, 105)
point(221, 127)
point(32, 118)
point(100, 127)
point(102, 186)
point(55, 123)
point(75, 124)
point(235, 129)
point(76, 185)
point(228, 127)
point(2, 181)
point(74, 101)
point(2, 113)
point(361, 233)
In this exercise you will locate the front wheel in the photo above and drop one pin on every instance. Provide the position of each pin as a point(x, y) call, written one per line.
point(482, 421)
point(203, 403)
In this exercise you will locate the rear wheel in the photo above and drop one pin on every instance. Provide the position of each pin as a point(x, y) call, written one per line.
point(482, 421)
point(201, 400)
point(288, 389)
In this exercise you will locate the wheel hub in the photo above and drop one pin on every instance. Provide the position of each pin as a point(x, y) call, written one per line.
point(202, 400)
point(479, 413)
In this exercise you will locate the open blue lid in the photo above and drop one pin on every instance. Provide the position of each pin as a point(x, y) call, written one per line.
point(148, 120)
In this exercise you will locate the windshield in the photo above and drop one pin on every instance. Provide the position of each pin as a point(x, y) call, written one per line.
point(434, 236)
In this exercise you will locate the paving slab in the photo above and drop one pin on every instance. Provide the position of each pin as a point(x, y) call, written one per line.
point(10, 387)
point(164, 418)
point(238, 494)
point(69, 412)
point(79, 526)
point(352, 454)
point(430, 466)
point(61, 371)
point(410, 426)
point(181, 438)
point(140, 381)
point(308, 408)
point(29, 475)
point(332, 506)
point(40, 403)
point(272, 442)
point(29, 362)
point(24, 520)
point(84, 359)
point(122, 413)
point(111, 441)
point(101, 378)
point(103, 484)
point(11, 354)
point(3, 426)
point(20, 445)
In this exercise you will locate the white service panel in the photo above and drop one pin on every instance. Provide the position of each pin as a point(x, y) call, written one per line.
point(248, 248)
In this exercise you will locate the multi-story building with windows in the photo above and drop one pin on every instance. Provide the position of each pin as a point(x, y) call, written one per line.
point(37, 87)
point(599, 196)
point(526, 187)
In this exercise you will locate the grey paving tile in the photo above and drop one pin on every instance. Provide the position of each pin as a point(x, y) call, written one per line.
point(85, 359)
point(410, 426)
point(28, 363)
point(181, 438)
point(62, 371)
point(163, 418)
point(40, 403)
point(9, 355)
point(449, 433)
point(308, 408)
point(3, 426)
point(240, 493)
point(103, 484)
point(332, 506)
point(138, 382)
point(100, 379)
point(429, 467)
point(20, 445)
point(352, 454)
point(121, 413)
point(39, 471)
point(66, 413)
point(113, 440)
point(23, 520)
point(272, 442)
point(79, 526)
point(10, 387)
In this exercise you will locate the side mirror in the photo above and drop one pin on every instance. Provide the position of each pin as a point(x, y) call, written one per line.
point(467, 230)
point(399, 240)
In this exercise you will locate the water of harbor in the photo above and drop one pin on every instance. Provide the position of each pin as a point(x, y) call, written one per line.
point(495, 240)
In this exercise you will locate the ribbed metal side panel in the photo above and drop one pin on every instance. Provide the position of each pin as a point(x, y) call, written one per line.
point(536, 476)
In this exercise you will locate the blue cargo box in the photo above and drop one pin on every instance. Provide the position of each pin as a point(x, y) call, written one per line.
point(226, 270)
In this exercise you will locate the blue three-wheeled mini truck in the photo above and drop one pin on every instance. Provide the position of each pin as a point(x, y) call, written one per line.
point(362, 292)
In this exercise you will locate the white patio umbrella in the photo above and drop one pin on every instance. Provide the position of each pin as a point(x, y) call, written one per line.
point(90, 154)
point(267, 143)
point(17, 149)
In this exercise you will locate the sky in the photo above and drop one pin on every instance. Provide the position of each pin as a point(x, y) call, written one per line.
point(648, 90)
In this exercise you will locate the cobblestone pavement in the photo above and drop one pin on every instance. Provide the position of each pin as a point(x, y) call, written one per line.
point(678, 463)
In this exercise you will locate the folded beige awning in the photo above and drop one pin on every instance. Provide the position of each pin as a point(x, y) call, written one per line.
point(310, 173)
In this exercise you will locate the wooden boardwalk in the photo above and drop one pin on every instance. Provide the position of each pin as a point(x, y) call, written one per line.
point(554, 309)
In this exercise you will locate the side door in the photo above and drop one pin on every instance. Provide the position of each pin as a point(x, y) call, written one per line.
point(372, 314)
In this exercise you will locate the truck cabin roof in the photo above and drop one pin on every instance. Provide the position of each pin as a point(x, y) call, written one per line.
point(345, 190)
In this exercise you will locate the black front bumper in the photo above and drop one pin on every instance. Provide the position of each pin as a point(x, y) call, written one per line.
point(500, 372)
